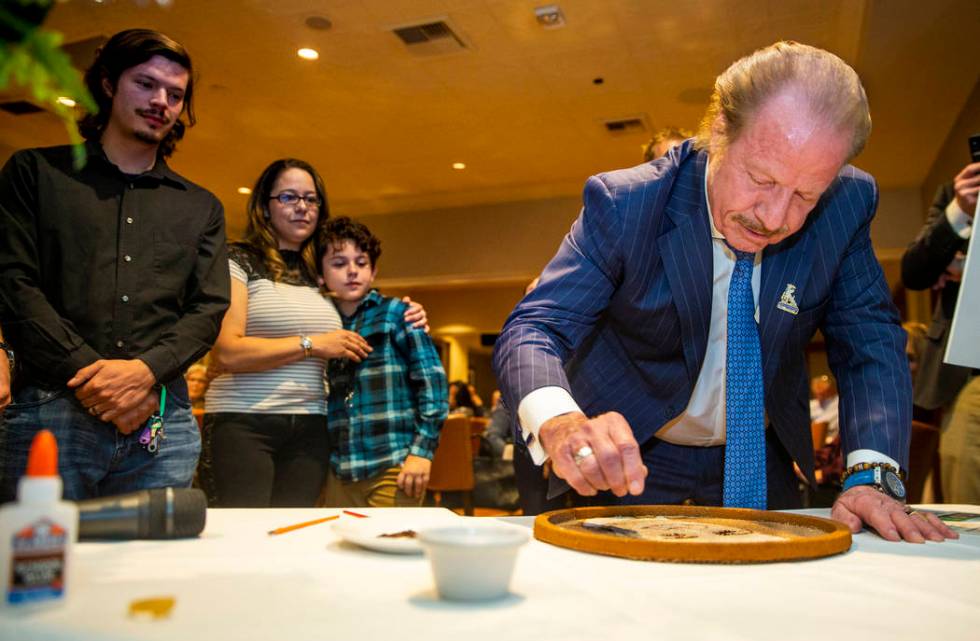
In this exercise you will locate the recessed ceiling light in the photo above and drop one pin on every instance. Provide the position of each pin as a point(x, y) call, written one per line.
point(245, 191)
point(66, 101)
point(308, 54)
point(459, 165)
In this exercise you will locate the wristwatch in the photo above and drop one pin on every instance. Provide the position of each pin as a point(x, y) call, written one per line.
point(881, 477)
point(307, 344)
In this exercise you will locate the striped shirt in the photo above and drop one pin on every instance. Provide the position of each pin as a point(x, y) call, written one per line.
point(290, 307)
point(393, 403)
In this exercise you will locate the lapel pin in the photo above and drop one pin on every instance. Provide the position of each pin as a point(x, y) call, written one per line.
point(787, 302)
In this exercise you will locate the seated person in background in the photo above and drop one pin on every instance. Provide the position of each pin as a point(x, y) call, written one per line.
point(663, 140)
point(384, 413)
point(463, 401)
point(499, 432)
point(823, 410)
point(197, 385)
point(918, 336)
point(479, 409)
point(823, 405)
point(913, 348)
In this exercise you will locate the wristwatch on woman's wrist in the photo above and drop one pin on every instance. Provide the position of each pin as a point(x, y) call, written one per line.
point(307, 344)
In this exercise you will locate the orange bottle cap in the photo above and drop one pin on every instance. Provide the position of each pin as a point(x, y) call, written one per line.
point(43, 458)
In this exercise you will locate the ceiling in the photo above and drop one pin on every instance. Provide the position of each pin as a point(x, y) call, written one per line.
point(519, 106)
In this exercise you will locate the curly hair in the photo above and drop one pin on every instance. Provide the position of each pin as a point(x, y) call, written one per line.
point(335, 232)
point(126, 50)
point(260, 235)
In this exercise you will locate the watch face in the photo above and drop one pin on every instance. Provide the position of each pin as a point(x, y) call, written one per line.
point(306, 343)
point(893, 484)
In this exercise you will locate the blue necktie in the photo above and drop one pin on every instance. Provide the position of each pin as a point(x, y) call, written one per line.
point(745, 446)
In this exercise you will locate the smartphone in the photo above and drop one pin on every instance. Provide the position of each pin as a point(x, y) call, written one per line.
point(975, 148)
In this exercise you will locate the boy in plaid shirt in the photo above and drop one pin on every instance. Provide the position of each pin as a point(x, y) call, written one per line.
point(384, 413)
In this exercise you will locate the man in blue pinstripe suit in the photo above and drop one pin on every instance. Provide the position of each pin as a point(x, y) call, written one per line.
point(628, 323)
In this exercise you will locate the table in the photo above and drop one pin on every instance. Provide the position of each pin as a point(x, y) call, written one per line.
point(238, 583)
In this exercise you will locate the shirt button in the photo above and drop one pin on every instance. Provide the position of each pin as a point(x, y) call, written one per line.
point(127, 258)
point(129, 221)
point(119, 343)
point(125, 298)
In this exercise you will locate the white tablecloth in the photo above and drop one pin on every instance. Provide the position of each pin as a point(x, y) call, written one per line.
point(238, 583)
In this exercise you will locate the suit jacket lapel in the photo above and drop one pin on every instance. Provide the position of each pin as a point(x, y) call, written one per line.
point(783, 265)
point(687, 259)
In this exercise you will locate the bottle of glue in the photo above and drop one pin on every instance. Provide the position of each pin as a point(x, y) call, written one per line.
point(37, 533)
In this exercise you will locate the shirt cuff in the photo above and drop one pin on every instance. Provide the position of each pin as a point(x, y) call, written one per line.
point(536, 408)
point(959, 220)
point(857, 457)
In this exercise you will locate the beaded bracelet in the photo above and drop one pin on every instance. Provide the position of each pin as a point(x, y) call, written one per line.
point(860, 467)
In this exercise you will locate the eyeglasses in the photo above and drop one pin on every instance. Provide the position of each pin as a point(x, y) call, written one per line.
point(290, 199)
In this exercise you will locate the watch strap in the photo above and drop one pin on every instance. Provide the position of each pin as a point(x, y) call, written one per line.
point(861, 477)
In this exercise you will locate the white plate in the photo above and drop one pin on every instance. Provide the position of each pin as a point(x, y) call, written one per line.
point(367, 532)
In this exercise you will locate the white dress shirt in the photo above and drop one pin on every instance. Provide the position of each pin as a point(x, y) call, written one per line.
point(959, 220)
point(703, 421)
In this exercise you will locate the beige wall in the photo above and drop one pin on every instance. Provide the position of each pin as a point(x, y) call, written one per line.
point(898, 219)
point(508, 242)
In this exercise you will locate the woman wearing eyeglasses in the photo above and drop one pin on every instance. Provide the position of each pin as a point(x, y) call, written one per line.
point(265, 427)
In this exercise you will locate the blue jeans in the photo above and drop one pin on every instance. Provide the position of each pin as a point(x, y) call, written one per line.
point(94, 458)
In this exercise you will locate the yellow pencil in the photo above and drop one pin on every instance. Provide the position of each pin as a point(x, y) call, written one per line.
point(290, 528)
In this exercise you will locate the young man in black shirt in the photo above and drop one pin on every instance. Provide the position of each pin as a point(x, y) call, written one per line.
point(113, 279)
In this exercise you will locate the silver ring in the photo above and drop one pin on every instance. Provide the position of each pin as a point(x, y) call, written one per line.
point(583, 453)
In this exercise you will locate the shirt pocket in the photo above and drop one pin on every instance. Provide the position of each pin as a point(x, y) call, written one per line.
point(174, 260)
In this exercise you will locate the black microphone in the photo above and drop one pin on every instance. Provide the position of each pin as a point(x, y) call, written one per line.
point(165, 513)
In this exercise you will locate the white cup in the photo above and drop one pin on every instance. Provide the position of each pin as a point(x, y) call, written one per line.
point(472, 563)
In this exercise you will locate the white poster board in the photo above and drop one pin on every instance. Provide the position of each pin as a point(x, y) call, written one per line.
point(963, 347)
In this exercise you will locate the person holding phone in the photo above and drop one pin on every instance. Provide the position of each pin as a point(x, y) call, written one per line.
point(935, 260)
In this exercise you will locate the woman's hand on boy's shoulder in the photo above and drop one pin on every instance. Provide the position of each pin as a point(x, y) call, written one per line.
point(415, 315)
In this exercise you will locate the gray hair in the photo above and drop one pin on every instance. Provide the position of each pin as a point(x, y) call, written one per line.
point(832, 89)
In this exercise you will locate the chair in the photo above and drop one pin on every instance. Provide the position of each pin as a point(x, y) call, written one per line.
point(818, 432)
point(478, 426)
point(452, 464)
point(923, 458)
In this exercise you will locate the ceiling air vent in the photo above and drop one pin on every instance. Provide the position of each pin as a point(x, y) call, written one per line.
point(433, 38)
point(20, 107)
point(626, 126)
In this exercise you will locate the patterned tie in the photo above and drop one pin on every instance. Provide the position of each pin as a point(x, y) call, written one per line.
point(745, 447)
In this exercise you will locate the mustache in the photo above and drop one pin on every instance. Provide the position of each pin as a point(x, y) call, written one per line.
point(154, 113)
point(754, 226)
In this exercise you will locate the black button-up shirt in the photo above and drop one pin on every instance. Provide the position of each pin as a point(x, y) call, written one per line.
point(99, 264)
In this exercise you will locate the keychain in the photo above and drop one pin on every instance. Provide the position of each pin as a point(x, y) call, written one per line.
point(152, 433)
